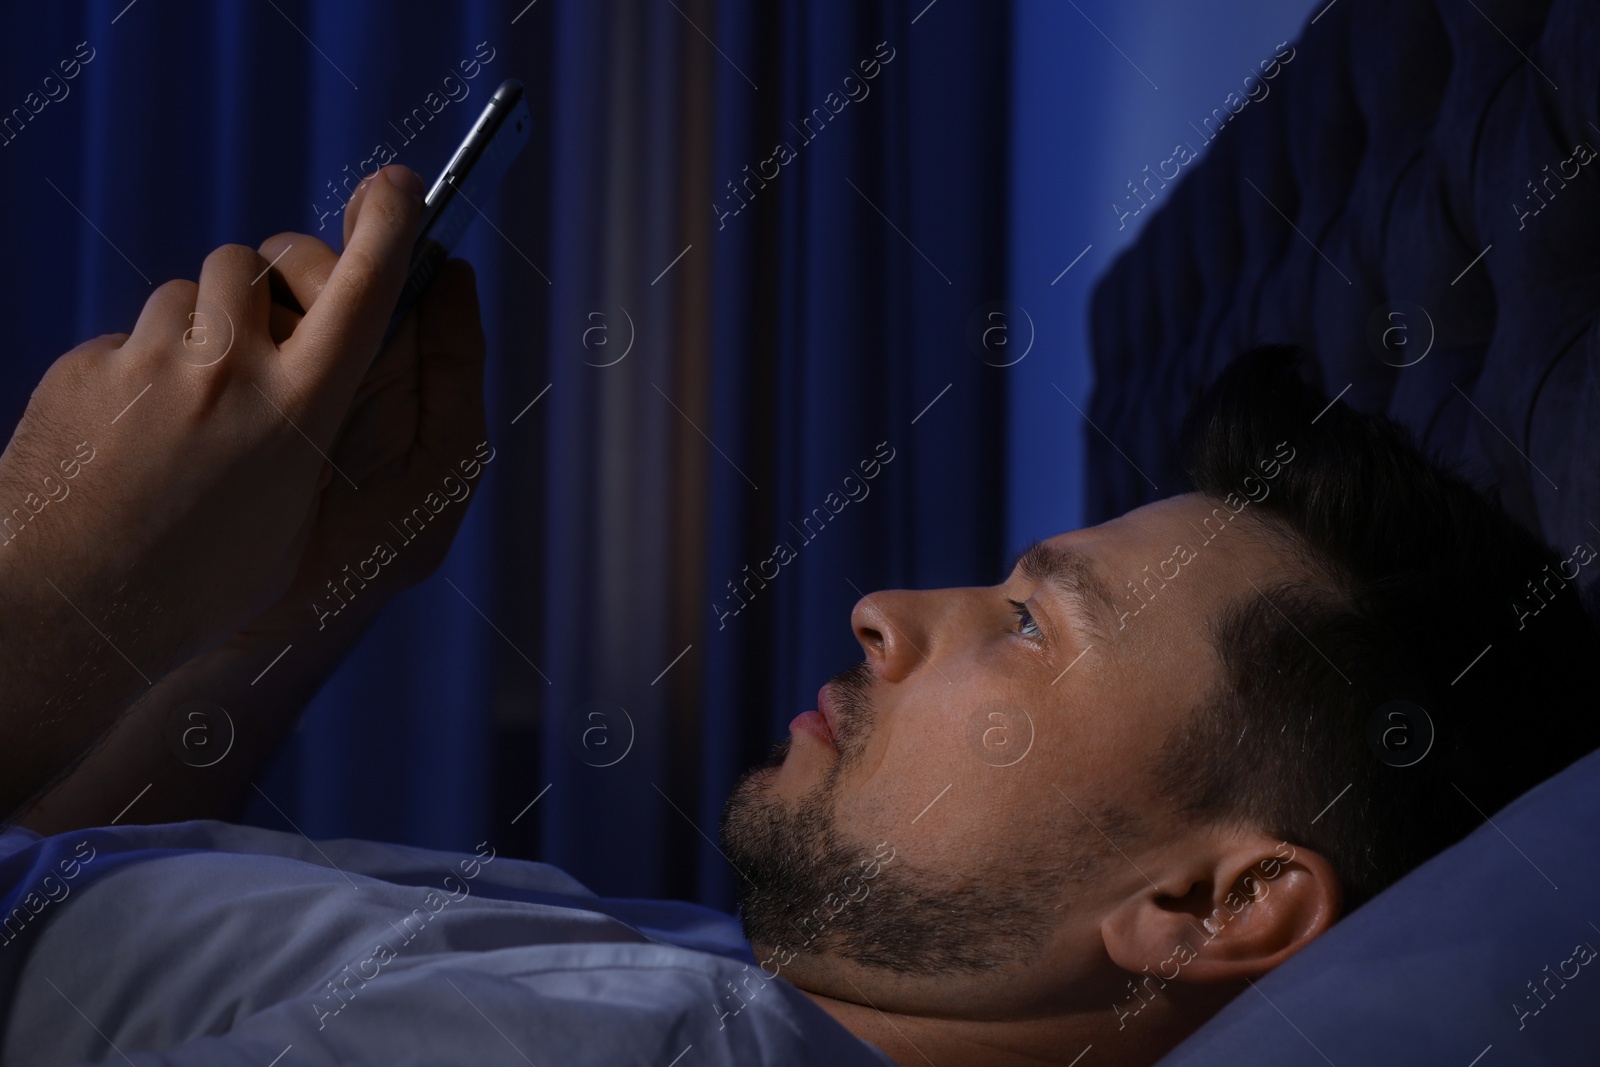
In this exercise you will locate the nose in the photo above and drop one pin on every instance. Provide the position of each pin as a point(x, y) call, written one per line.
point(889, 625)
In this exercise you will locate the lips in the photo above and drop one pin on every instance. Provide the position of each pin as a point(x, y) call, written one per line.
point(823, 723)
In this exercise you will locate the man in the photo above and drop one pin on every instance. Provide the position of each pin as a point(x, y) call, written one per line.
point(1168, 751)
point(1082, 807)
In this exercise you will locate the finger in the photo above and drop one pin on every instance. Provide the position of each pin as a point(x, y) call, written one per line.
point(106, 342)
point(105, 346)
point(233, 285)
point(450, 350)
point(302, 265)
point(166, 313)
point(353, 208)
point(335, 342)
point(283, 323)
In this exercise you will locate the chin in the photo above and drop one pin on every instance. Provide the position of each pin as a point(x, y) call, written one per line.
point(755, 785)
point(789, 772)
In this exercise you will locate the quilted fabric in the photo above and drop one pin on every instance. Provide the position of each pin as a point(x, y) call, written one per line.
point(1435, 160)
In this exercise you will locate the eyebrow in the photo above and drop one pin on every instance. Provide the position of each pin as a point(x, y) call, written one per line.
point(1075, 577)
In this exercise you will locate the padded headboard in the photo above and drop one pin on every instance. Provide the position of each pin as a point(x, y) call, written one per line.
point(1422, 172)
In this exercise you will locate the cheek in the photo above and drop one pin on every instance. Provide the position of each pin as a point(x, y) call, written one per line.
point(910, 755)
point(1091, 743)
point(953, 776)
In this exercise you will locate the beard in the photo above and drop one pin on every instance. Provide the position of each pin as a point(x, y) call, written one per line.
point(807, 888)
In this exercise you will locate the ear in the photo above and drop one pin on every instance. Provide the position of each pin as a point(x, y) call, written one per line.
point(1231, 906)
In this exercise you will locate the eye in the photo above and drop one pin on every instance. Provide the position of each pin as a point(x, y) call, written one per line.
point(1026, 627)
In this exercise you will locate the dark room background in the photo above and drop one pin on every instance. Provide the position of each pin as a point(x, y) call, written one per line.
point(752, 246)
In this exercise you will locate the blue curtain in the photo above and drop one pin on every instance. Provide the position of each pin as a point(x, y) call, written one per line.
point(699, 345)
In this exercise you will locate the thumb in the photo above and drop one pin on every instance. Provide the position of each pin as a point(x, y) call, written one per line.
point(332, 347)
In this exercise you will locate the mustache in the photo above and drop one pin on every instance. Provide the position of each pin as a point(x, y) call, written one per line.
point(852, 690)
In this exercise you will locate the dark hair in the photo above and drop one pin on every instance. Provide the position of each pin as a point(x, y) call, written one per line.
point(1407, 575)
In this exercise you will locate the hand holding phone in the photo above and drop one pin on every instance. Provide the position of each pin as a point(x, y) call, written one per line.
point(474, 172)
point(393, 489)
point(415, 438)
point(211, 504)
point(192, 450)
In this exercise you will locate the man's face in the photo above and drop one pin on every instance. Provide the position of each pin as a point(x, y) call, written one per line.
point(986, 761)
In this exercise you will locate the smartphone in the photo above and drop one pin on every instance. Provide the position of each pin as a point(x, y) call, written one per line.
point(480, 161)
point(473, 173)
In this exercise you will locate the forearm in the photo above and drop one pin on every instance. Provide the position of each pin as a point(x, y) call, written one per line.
point(74, 657)
point(190, 748)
